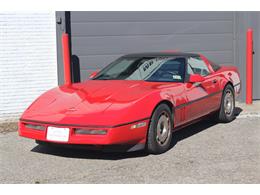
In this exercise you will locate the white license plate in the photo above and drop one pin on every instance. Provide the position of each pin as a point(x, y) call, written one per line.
point(58, 134)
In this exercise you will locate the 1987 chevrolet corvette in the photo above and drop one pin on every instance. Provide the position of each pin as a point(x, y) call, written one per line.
point(134, 103)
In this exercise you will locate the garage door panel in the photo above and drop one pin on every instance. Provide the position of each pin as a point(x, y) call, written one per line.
point(100, 37)
point(79, 17)
point(126, 44)
point(149, 28)
point(96, 61)
point(222, 57)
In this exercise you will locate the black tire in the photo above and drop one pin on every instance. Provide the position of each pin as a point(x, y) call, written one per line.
point(160, 135)
point(226, 115)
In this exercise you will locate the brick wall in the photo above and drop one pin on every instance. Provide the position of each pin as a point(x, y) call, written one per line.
point(28, 64)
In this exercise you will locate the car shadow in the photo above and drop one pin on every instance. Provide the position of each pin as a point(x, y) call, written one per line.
point(178, 136)
point(238, 110)
point(86, 154)
point(196, 128)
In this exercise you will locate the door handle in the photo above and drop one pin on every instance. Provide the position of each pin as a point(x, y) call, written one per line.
point(215, 81)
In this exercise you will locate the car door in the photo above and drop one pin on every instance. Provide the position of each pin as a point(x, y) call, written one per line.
point(169, 72)
point(201, 96)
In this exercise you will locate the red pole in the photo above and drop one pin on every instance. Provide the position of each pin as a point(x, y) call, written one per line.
point(66, 58)
point(249, 66)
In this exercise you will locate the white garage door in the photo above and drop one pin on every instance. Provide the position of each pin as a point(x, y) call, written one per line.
point(28, 64)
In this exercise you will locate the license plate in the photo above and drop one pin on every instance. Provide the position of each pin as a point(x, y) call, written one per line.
point(58, 134)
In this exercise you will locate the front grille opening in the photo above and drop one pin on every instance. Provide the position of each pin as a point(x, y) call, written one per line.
point(36, 127)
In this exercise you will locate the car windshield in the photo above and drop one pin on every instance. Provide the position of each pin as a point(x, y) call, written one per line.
point(161, 69)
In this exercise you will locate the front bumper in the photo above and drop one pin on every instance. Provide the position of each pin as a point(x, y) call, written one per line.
point(118, 135)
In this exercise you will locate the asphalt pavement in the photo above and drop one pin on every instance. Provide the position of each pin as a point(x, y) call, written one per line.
point(205, 152)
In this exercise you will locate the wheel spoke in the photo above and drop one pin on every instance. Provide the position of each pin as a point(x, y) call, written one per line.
point(228, 103)
point(163, 127)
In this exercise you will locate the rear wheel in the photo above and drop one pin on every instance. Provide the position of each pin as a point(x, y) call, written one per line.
point(160, 130)
point(227, 108)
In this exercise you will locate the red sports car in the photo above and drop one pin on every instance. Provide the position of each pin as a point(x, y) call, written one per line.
point(134, 103)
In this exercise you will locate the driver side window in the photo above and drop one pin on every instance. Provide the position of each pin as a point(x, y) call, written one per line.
point(197, 66)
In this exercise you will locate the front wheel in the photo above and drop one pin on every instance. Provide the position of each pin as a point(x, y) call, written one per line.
point(227, 108)
point(160, 130)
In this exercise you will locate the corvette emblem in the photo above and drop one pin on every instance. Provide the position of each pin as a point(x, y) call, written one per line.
point(72, 109)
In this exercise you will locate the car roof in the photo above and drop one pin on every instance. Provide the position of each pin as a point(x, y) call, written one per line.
point(162, 54)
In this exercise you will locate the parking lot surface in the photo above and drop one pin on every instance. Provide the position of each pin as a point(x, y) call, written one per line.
point(202, 153)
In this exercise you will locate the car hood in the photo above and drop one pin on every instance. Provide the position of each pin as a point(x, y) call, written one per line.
point(89, 103)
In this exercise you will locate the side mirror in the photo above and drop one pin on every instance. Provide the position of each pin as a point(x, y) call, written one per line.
point(93, 74)
point(196, 78)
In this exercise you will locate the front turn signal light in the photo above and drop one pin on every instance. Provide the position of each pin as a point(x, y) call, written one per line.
point(138, 125)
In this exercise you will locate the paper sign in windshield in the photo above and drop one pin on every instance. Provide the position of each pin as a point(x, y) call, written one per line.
point(176, 77)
